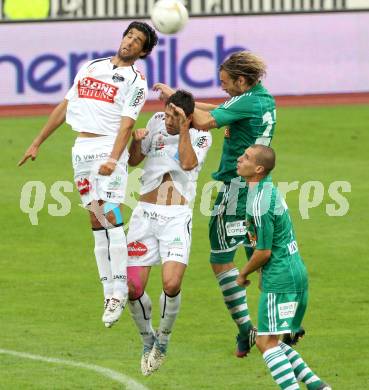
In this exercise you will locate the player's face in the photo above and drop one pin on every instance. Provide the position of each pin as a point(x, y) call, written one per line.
point(246, 164)
point(131, 46)
point(232, 87)
point(171, 121)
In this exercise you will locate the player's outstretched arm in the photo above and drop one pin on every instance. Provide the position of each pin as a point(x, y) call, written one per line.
point(165, 91)
point(125, 131)
point(203, 120)
point(135, 151)
point(56, 118)
point(205, 106)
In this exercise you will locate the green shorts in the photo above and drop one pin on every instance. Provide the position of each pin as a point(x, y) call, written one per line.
point(281, 312)
point(227, 227)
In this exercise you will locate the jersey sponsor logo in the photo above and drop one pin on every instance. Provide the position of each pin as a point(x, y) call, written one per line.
point(90, 88)
point(96, 156)
point(292, 247)
point(117, 78)
point(138, 98)
point(236, 228)
point(287, 310)
point(202, 142)
point(136, 248)
point(83, 186)
point(284, 325)
point(227, 133)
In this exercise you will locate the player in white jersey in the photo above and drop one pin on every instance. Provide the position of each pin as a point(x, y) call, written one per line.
point(102, 107)
point(160, 226)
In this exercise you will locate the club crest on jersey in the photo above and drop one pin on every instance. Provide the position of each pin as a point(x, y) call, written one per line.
point(202, 142)
point(136, 248)
point(117, 78)
point(227, 133)
point(90, 88)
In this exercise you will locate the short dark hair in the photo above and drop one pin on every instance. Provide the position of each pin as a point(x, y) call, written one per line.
point(265, 156)
point(183, 99)
point(150, 34)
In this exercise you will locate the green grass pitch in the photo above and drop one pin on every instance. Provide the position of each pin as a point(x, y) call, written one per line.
point(51, 299)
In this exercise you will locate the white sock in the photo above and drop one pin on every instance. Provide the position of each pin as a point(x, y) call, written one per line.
point(102, 261)
point(141, 313)
point(169, 308)
point(118, 261)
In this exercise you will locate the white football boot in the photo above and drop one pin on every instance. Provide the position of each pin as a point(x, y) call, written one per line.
point(144, 361)
point(156, 358)
point(113, 311)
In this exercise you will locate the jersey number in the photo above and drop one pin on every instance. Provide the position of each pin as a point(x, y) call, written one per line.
point(269, 118)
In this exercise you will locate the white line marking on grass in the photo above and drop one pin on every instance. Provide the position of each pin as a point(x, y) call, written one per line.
point(130, 383)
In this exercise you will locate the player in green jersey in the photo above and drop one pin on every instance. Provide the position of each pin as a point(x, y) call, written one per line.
point(284, 282)
point(249, 116)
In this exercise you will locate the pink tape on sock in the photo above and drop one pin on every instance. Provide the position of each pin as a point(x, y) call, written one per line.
point(134, 282)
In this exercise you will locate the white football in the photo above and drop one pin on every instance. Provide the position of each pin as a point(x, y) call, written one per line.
point(169, 16)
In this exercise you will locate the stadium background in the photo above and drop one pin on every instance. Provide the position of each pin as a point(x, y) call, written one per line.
point(318, 67)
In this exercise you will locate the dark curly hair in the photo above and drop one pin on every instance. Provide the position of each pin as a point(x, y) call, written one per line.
point(150, 34)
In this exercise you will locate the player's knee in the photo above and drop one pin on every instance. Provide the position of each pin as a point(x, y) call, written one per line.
point(135, 285)
point(171, 286)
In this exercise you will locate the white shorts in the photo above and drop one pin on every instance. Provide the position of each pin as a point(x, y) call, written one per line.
point(158, 234)
point(87, 156)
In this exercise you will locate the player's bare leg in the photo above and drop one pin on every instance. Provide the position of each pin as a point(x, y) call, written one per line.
point(170, 301)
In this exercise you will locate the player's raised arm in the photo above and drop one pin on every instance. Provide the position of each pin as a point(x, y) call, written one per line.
point(205, 106)
point(165, 91)
point(56, 118)
point(135, 149)
point(187, 156)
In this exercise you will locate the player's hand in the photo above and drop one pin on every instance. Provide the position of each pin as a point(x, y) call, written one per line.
point(165, 91)
point(31, 153)
point(242, 280)
point(107, 168)
point(140, 134)
point(179, 113)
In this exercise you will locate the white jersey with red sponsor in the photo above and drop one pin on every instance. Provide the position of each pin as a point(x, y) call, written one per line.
point(101, 94)
point(161, 150)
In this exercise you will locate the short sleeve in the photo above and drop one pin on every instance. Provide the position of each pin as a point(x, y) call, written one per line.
point(201, 142)
point(135, 99)
point(150, 127)
point(235, 109)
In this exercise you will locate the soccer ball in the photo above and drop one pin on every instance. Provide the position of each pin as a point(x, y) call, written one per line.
point(169, 16)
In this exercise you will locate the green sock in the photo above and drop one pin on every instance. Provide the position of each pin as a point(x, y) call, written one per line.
point(280, 368)
point(235, 300)
point(302, 372)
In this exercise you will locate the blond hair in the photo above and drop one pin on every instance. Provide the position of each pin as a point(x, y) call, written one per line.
point(246, 64)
